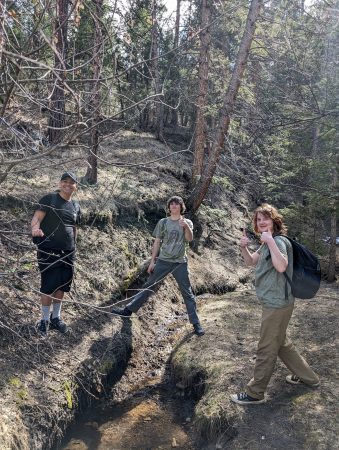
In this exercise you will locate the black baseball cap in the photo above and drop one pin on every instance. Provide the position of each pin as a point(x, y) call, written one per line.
point(69, 175)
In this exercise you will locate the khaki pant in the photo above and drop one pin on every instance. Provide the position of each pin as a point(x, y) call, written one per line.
point(273, 343)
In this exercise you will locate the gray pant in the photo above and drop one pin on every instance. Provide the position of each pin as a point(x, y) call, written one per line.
point(180, 273)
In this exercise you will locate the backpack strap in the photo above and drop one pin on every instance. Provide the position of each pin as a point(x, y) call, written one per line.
point(288, 279)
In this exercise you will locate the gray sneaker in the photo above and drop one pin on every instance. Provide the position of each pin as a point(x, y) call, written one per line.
point(57, 324)
point(198, 329)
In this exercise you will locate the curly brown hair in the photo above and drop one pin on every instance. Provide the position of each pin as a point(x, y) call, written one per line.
point(179, 201)
point(272, 213)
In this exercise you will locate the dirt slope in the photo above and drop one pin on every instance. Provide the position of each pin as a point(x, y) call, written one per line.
point(43, 383)
point(222, 361)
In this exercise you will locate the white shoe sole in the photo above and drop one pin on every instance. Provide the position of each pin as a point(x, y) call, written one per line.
point(300, 383)
point(235, 399)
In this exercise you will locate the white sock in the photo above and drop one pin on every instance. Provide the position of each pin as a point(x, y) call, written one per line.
point(56, 310)
point(45, 312)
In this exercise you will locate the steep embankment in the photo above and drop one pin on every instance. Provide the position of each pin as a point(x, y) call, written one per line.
point(44, 382)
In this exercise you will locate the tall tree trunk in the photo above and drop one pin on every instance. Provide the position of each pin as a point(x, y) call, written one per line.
point(91, 176)
point(177, 25)
point(332, 254)
point(204, 60)
point(2, 29)
point(57, 105)
point(201, 188)
point(159, 109)
point(8, 88)
point(175, 69)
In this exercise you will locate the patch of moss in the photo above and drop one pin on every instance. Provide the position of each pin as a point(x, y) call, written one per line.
point(223, 182)
point(307, 397)
point(22, 394)
point(106, 366)
point(129, 278)
point(217, 216)
point(19, 389)
point(125, 250)
point(67, 387)
point(15, 382)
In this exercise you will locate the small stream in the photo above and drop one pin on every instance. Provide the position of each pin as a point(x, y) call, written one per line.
point(156, 417)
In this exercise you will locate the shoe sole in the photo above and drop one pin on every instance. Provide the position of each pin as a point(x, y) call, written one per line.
point(52, 327)
point(240, 402)
point(199, 333)
point(301, 383)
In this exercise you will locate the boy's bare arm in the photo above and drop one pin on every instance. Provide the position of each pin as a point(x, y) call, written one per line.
point(155, 253)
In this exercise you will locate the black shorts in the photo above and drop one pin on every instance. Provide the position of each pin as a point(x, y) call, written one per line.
point(56, 269)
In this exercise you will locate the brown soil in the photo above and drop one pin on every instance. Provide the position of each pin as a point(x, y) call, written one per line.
point(293, 417)
point(44, 383)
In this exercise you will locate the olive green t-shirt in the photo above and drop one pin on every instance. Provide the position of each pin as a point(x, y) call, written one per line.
point(270, 284)
point(173, 243)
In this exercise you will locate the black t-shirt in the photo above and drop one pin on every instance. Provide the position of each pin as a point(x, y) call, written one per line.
point(59, 222)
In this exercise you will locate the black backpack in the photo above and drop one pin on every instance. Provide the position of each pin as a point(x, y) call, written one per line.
point(306, 271)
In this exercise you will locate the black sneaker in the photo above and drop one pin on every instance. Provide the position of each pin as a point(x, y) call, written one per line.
point(42, 327)
point(123, 312)
point(244, 399)
point(293, 379)
point(198, 329)
point(57, 324)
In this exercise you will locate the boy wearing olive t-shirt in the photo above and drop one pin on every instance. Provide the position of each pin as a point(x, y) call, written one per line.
point(169, 255)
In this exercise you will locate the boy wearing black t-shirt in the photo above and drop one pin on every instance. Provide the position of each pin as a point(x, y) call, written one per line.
point(54, 231)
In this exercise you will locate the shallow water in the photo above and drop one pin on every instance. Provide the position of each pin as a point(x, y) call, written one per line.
point(155, 418)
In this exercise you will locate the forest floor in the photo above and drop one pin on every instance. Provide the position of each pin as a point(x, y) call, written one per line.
point(293, 417)
point(183, 399)
point(45, 383)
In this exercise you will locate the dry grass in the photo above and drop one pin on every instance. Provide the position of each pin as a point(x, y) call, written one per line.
point(114, 241)
point(218, 357)
point(294, 417)
point(120, 213)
